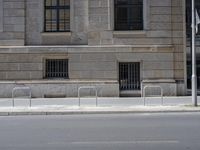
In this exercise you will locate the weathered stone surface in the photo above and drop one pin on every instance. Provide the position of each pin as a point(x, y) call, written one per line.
point(158, 65)
point(13, 12)
point(161, 10)
point(169, 87)
point(30, 66)
point(1, 15)
point(18, 75)
point(62, 89)
point(78, 25)
point(161, 3)
point(8, 66)
point(24, 58)
point(11, 42)
point(158, 74)
point(14, 4)
point(93, 47)
point(12, 22)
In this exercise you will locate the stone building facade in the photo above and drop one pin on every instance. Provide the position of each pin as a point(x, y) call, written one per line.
point(93, 46)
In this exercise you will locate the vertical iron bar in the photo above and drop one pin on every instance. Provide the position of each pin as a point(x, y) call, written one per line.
point(51, 68)
point(131, 76)
point(120, 84)
point(134, 81)
point(128, 81)
point(123, 77)
point(137, 76)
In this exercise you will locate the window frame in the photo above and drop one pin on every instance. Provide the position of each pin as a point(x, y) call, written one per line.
point(146, 18)
point(132, 75)
point(129, 25)
point(59, 72)
point(57, 8)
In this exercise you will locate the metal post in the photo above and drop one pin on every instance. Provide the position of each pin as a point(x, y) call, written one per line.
point(144, 95)
point(194, 77)
point(87, 87)
point(30, 97)
point(96, 96)
point(13, 102)
point(79, 101)
point(162, 95)
point(21, 88)
point(152, 86)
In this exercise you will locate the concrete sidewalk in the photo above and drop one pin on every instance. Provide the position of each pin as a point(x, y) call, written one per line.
point(63, 106)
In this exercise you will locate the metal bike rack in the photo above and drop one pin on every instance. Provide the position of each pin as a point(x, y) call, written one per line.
point(87, 87)
point(152, 86)
point(21, 89)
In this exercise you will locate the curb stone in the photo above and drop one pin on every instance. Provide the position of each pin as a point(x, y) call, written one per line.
point(88, 110)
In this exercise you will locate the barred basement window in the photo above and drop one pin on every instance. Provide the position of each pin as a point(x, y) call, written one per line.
point(128, 14)
point(129, 76)
point(56, 68)
point(57, 16)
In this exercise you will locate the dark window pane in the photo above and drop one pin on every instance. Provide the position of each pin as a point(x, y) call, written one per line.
point(56, 68)
point(128, 14)
point(57, 15)
point(188, 31)
point(189, 16)
point(140, 2)
point(129, 76)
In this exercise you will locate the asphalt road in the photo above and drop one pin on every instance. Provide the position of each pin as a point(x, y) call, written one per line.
point(159, 131)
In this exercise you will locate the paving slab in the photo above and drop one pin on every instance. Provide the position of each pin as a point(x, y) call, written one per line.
point(64, 106)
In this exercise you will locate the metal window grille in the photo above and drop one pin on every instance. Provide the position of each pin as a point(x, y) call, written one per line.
point(57, 16)
point(128, 14)
point(129, 76)
point(57, 68)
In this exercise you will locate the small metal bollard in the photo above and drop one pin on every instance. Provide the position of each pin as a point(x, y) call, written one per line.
point(152, 86)
point(87, 87)
point(21, 88)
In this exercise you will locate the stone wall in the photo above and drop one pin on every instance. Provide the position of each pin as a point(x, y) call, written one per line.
point(12, 22)
point(102, 63)
point(87, 62)
point(179, 42)
point(35, 34)
point(60, 88)
point(99, 48)
point(1, 15)
point(157, 24)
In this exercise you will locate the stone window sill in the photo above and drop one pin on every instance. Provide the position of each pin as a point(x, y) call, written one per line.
point(56, 33)
point(129, 34)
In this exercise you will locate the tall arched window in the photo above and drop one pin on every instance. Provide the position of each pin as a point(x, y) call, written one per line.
point(57, 16)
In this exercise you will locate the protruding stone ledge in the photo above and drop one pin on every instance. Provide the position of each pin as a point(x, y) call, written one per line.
point(168, 86)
